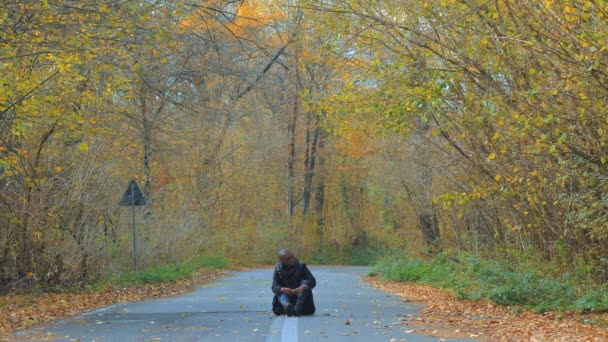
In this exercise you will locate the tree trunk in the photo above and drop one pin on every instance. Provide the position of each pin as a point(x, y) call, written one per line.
point(309, 162)
point(320, 182)
point(430, 227)
point(313, 143)
point(291, 157)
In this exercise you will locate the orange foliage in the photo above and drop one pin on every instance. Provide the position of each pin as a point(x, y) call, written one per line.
point(352, 143)
point(355, 140)
point(249, 15)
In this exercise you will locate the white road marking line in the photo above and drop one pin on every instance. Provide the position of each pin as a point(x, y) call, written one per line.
point(290, 330)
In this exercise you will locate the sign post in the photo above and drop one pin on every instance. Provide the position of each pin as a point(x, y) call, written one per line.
point(133, 197)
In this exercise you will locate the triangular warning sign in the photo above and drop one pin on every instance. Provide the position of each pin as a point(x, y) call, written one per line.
point(133, 196)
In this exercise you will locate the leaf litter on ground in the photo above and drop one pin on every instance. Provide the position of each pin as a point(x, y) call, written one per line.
point(21, 312)
point(444, 316)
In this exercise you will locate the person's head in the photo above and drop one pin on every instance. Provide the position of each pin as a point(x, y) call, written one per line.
point(287, 258)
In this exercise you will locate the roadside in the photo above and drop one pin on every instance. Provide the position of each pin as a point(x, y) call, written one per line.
point(20, 312)
point(445, 316)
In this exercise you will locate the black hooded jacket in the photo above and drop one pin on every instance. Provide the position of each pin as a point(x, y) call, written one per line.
point(293, 277)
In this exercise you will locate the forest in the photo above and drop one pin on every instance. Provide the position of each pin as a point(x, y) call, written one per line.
point(342, 129)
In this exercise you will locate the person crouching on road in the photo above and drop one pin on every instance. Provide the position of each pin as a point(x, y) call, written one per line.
point(292, 285)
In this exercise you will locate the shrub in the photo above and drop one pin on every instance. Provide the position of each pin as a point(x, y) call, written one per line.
point(505, 282)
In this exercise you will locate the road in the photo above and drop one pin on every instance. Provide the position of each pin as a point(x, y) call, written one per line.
point(237, 308)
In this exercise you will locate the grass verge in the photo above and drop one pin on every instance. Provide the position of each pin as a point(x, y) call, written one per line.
point(173, 271)
point(522, 284)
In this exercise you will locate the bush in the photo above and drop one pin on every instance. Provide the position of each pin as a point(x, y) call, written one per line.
point(504, 282)
point(593, 300)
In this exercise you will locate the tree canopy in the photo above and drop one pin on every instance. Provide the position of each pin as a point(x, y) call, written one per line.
point(338, 128)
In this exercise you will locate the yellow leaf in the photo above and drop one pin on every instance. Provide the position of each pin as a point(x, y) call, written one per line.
point(497, 177)
point(83, 146)
point(492, 156)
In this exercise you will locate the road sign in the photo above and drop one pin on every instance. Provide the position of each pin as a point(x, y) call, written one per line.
point(133, 196)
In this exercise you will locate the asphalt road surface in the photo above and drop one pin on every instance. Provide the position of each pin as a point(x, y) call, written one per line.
point(238, 308)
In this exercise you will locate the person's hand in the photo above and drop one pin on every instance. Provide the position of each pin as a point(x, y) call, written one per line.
point(299, 289)
point(286, 290)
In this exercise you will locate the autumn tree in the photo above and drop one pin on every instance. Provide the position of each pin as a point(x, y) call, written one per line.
point(56, 84)
point(508, 86)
